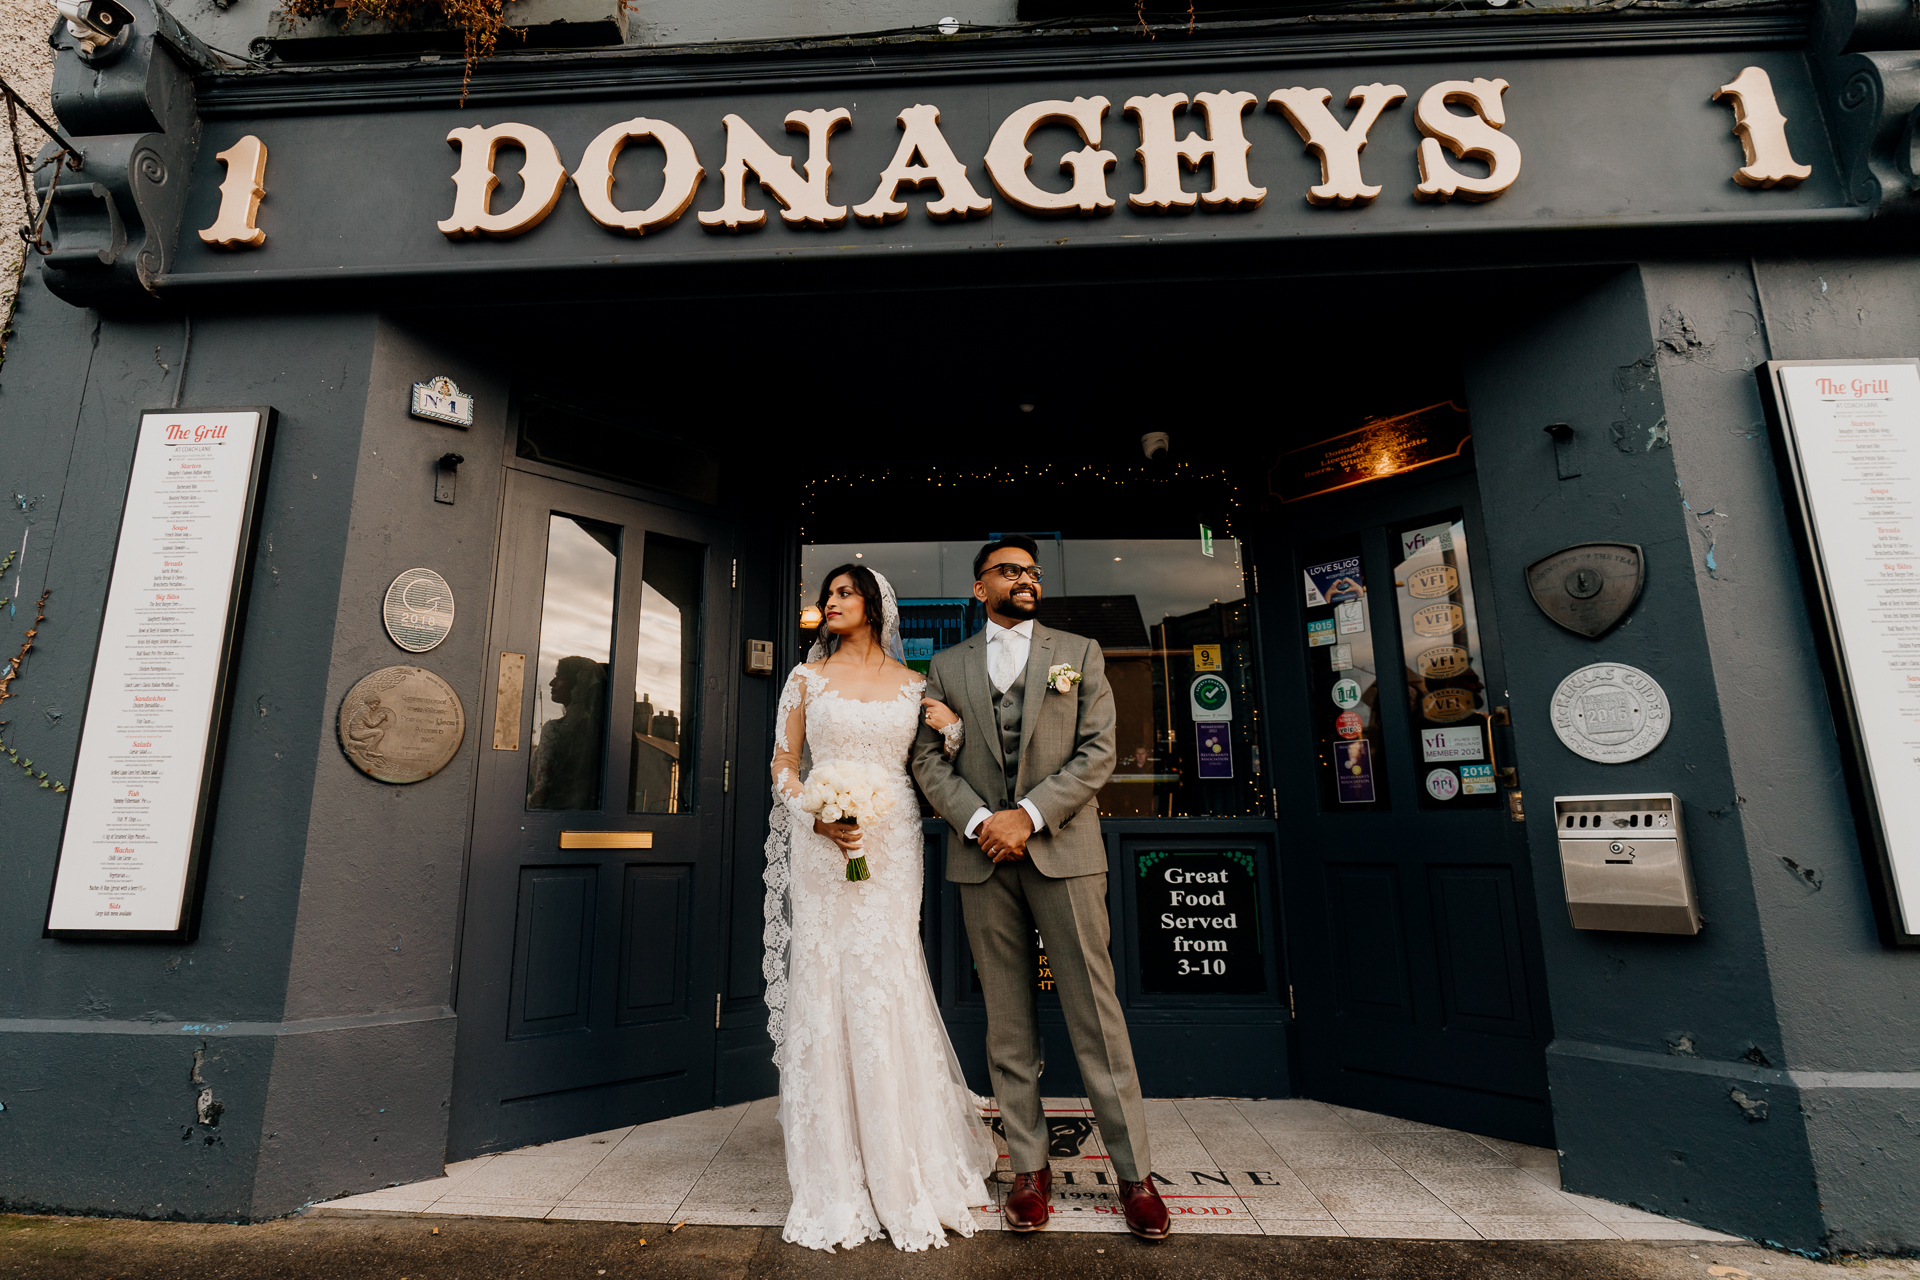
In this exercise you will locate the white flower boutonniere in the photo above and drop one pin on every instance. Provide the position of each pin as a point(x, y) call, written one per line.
point(1062, 677)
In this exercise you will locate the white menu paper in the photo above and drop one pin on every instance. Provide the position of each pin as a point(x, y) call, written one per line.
point(1856, 431)
point(134, 818)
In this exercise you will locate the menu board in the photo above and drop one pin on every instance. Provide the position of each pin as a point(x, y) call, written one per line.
point(141, 801)
point(1847, 438)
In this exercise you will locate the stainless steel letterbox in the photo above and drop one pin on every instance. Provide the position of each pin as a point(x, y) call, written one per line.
point(1624, 860)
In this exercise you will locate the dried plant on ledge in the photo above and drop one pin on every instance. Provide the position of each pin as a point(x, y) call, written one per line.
point(479, 22)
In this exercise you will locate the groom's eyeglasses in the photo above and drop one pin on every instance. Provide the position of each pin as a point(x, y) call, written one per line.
point(1015, 572)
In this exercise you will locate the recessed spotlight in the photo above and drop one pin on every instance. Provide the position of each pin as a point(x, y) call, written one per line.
point(859, 555)
point(1116, 559)
point(1026, 408)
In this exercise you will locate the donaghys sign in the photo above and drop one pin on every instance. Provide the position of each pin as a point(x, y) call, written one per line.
point(1469, 149)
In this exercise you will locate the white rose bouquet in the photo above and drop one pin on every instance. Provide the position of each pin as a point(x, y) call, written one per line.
point(847, 791)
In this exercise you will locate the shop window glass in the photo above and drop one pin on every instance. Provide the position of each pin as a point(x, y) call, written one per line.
point(666, 684)
point(576, 645)
point(1173, 624)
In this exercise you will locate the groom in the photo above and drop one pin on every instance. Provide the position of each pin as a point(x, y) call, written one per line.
point(1028, 855)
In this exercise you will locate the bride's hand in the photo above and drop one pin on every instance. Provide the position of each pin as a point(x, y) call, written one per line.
point(844, 834)
point(939, 714)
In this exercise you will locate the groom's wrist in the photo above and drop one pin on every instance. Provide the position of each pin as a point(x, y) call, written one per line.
point(980, 815)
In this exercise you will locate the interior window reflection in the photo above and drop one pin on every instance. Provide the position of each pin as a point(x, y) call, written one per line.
point(667, 676)
point(576, 644)
point(1173, 623)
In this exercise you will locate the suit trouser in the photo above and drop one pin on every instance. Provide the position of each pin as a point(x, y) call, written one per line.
point(1071, 914)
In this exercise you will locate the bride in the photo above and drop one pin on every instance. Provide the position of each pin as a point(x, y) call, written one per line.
point(881, 1131)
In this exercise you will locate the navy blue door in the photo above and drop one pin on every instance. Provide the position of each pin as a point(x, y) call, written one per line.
point(1413, 947)
point(592, 941)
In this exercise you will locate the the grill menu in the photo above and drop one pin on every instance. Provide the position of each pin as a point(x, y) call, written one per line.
point(138, 784)
point(1856, 430)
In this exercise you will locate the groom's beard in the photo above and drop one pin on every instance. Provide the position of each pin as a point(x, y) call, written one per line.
point(1019, 607)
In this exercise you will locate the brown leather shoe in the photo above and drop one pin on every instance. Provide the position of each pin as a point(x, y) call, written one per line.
point(1028, 1204)
point(1146, 1211)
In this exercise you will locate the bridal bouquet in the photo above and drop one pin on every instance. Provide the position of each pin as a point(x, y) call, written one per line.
point(847, 791)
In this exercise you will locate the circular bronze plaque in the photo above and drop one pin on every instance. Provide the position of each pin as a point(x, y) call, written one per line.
point(401, 724)
point(418, 610)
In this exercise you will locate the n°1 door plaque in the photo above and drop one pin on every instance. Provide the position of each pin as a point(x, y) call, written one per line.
point(140, 812)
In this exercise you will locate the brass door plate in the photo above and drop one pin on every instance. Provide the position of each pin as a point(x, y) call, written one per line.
point(606, 839)
point(506, 701)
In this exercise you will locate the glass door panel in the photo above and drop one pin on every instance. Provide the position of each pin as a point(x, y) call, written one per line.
point(666, 685)
point(576, 648)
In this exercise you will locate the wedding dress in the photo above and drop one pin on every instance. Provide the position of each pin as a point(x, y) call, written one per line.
point(881, 1130)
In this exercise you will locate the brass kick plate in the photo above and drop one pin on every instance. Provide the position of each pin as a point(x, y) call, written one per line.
point(606, 839)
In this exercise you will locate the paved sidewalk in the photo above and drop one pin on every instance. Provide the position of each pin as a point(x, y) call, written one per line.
point(1285, 1167)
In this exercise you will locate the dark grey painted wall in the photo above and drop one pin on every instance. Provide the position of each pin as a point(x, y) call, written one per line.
point(1848, 1010)
point(317, 994)
point(1787, 996)
point(1628, 1128)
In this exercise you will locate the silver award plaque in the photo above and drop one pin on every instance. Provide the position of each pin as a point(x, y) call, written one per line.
point(1610, 713)
point(401, 724)
point(419, 610)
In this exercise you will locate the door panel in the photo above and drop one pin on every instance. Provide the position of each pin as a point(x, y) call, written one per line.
point(654, 940)
point(1370, 958)
point(592, 939)
point(553, 953)
point(1415, 959)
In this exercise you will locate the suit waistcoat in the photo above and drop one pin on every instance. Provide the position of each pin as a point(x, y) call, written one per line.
point(1008, 708)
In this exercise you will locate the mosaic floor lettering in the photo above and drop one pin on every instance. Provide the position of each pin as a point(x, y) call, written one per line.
point(1254, 1167)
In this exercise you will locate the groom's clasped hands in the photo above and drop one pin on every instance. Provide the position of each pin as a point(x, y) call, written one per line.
point(1003, 836)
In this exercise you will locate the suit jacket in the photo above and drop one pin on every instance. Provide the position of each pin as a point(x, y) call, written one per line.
point(1066, 753)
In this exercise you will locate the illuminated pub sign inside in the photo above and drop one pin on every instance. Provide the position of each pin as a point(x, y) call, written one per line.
point(1465, 152)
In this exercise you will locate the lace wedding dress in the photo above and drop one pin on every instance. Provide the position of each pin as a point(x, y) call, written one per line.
point(881, 1130)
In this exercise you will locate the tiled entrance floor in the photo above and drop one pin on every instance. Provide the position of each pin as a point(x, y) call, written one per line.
point(1286, 1167)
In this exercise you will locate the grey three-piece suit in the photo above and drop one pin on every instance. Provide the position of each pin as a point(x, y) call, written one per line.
point(1055, 750)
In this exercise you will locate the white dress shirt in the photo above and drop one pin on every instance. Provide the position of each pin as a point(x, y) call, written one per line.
point(1007, 651)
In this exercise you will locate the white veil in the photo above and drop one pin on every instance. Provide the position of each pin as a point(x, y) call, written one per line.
point(783, 821)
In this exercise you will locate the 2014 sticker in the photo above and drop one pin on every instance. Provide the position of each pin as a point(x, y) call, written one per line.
point(1476, 779)
point(1346, 694)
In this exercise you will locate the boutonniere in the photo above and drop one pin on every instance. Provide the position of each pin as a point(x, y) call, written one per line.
point(1062, 677)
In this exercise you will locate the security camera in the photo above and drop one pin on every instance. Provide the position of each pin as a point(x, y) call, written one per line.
point(95, 23)
point(1154, 445)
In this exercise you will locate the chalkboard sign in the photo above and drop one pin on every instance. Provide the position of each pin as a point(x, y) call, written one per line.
point(1200, 923)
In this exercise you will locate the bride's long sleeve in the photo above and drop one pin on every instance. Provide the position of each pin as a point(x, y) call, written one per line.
point(790, 731)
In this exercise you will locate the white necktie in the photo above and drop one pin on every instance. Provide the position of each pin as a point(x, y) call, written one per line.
point(1005, 669)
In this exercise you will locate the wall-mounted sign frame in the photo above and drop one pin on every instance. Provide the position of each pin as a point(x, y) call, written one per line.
point(140, 812)
point(1853, 513)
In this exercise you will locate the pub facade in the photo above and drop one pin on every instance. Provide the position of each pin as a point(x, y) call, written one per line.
point(1476, 440)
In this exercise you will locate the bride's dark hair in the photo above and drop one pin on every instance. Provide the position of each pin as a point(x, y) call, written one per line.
point(869, 588)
